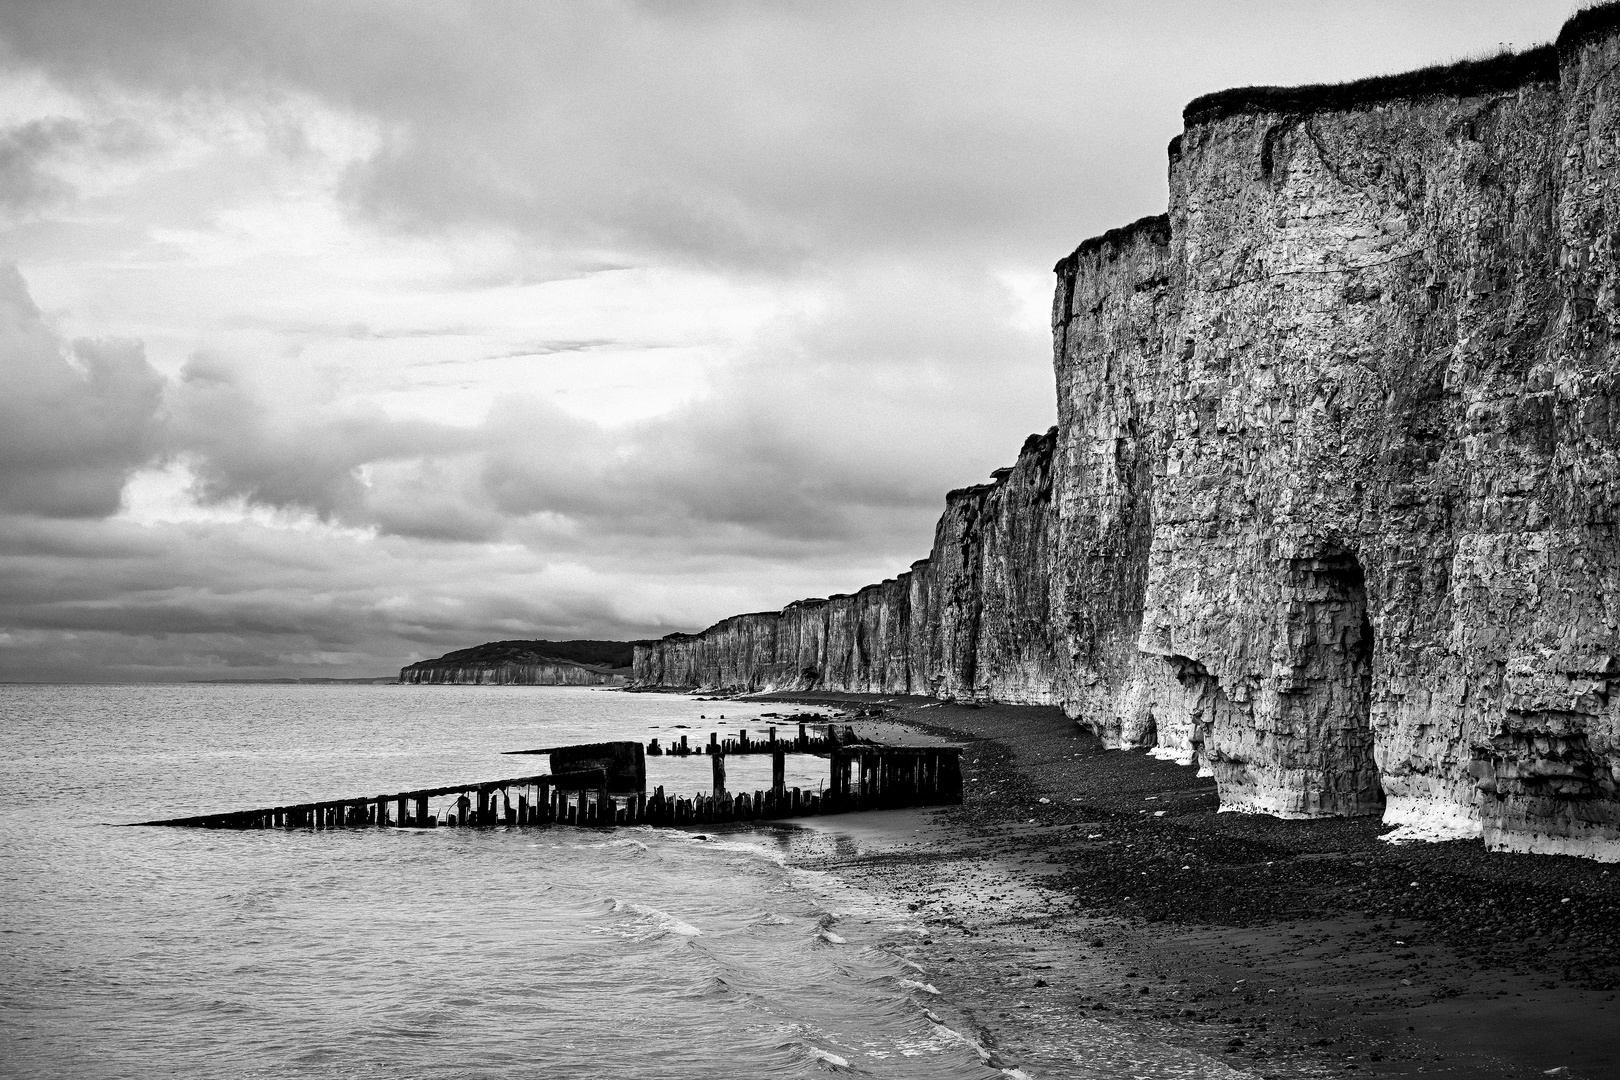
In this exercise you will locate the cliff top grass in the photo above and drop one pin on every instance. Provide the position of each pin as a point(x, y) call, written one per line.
point(1505, 71)
point(1155, 225)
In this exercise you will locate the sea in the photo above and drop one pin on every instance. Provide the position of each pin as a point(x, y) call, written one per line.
point(445, 953)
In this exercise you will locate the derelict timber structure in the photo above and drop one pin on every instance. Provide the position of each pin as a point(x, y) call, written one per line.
point(605, 785)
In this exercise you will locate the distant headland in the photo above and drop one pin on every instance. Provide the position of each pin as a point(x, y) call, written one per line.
point(529, 663)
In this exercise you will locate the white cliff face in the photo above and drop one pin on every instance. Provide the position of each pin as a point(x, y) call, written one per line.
point(543, 673)
point(1331, 508)
point(969, 622)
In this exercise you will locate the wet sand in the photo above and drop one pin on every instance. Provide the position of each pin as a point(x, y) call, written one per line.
point(1079, 886)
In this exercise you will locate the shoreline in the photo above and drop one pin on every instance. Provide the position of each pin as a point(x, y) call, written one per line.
point(1080, 886)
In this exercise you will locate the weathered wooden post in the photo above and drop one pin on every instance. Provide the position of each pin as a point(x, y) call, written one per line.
point(714, 742)
point(718, 763)
point(778, 765)
point(421, 810)
point(950, 775)
point(804, 742)
point(382, 810)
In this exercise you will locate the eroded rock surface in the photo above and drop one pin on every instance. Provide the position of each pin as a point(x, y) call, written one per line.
point(1331, 506)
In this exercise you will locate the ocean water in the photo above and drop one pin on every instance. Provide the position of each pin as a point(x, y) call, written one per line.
point(446, 953)
point(146, 952)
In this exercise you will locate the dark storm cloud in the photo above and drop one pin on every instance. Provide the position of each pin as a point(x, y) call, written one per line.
point(107, 600)
point(75, 421)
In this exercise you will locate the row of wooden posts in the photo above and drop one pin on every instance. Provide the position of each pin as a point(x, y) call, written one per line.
point(863, 776)
point(803, 743)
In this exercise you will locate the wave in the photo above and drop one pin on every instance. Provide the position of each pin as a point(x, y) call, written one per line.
point(824, 931)
point(662, 919)
point(986, 1055)
point(829, 1057)
point(628, 842)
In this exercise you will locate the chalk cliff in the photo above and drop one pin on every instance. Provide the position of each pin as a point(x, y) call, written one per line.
point(1331, 506)
point(543, 673)
point(969, 621)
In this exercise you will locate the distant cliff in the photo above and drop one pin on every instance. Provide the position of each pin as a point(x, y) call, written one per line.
point(530, 663)
point(1331, 506)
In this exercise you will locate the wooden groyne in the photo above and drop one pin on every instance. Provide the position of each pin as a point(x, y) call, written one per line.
point(862, 776)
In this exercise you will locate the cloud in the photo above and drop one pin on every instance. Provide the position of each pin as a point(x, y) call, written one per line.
point(75, 421)
point(749, 138)
point(377, 329)
point(277, 448)
point(26, 183)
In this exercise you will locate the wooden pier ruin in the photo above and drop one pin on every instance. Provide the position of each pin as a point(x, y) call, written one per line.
point(603, 785)
point(804, 743)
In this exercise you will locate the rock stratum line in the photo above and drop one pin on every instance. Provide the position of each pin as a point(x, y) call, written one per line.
point(1330, 508)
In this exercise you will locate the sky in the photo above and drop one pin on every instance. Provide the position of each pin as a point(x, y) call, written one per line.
point(338, 335)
